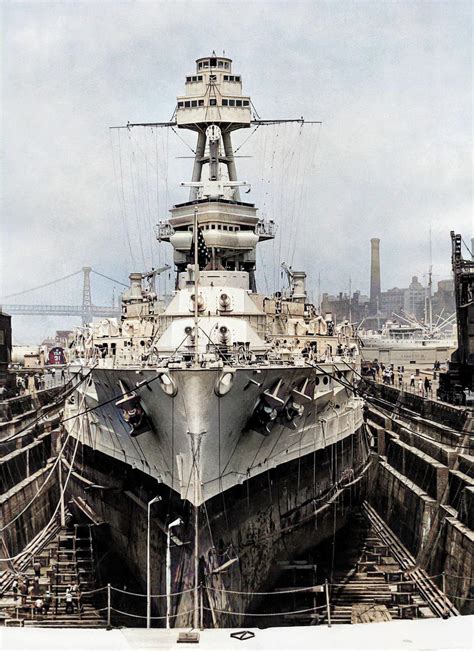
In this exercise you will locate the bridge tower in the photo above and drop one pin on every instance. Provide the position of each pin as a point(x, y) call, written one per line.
point(86, 296)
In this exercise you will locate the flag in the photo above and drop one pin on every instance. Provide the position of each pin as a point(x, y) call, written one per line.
point(204, 254)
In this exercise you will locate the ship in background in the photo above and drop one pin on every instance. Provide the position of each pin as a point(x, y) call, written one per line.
point(408, 342)
point(236, 410)
point(405, 340)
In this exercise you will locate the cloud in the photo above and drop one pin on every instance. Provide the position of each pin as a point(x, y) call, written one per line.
point(392, 83)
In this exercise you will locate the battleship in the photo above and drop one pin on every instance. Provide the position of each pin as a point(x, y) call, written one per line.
point(229, 413)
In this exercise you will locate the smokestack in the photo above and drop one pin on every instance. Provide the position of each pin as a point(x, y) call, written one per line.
point(374, 273)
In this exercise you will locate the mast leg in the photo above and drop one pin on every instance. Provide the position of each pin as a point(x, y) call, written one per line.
point(229, 153)
point(197, 169)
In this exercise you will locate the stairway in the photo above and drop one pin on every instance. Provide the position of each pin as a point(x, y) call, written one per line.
point(375, 588)
point(65, 561)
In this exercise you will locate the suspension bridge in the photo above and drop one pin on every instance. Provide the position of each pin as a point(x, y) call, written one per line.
point(49, 298)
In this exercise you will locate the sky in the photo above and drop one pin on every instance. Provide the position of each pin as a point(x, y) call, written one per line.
point(391, 83)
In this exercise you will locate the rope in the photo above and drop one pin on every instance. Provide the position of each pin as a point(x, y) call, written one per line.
point(139, 594)
point(288, 612)
point(373, 402)
point(114, 398)
point(88, 592)
point(61, 497)
point(186, 612)
point(280, 592)
point(48, 408)
point(38, 492)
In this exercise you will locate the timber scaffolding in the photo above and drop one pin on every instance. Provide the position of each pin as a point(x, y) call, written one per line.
point(419, 510)
point(374, 579)
point(422, 484)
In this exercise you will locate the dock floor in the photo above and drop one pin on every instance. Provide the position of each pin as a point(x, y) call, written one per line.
point(455, 634)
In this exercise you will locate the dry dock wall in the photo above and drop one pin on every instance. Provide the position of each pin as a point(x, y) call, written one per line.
point(29, 487)
point(26, 526)
point(422, 484)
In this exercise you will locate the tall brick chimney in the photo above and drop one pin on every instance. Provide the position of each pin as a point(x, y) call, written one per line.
point(374, 274)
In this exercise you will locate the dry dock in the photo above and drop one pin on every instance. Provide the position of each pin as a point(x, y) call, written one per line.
point(410, 554)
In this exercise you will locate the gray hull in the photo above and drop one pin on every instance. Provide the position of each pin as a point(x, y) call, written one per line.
point(260, 497)
point(196, 436)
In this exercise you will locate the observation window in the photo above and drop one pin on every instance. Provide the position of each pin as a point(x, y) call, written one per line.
point(180, 104)
point(213, 62)
point(245, 102)
point(212, 77)
point(187, 104)
point(213, 101)
point(232, 102)
point(224, 102)
point(201, 102)
point(238, 102)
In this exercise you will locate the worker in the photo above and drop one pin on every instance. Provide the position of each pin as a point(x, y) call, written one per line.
point(420, 387)
point(69, 602)
point(39, 606)
point(47, 601)
point(37, 568)
point(427, 385)
point(15, 589)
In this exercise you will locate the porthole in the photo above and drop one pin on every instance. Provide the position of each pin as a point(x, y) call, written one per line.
point(325, 380)
point(224, 383)
point(167, 384)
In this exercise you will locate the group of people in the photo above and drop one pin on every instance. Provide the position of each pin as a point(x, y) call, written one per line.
point(423, 386)
point(31, 598)
point(389, 375)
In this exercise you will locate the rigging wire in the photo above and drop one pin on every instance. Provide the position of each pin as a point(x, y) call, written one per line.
point(132, 160)
point(124, 202)
point(304, 190)
point(183, 141)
